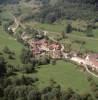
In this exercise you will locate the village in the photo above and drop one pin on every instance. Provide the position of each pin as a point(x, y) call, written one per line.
point(55, 50)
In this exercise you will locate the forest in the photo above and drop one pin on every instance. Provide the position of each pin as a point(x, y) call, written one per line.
point(68, 9)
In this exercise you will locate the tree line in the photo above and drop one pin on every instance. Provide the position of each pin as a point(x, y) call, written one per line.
point(68, 9)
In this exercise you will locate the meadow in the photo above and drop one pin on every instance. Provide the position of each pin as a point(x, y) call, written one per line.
point(12, 44)
point(64, 73)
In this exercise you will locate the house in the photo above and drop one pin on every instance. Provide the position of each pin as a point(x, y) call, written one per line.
point(55, 50)
point(92, 61)
point(55, 46)
point(41, 46)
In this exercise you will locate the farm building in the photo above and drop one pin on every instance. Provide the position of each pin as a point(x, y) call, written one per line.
point(92, 61)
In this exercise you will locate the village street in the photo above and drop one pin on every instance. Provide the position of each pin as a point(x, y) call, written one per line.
point(80, 61)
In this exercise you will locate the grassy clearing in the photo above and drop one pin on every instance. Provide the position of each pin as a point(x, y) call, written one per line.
point(95, 33)
point(65, 74)
point(56, 27)
point(7, 40)
point(91, 44)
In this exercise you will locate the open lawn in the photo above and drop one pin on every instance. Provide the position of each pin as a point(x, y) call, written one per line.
point(65, 74)
point(91, 43)
point(7, 40)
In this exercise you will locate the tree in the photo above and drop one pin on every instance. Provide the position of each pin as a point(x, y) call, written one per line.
point(11, 57)
point(69, 28)
point(44, 60)
point(53, 62)
point(82, 45)
point(2, 67)
point(86, 96)
point(34, 95)
point(0, 22)
point(68, 47)
point(89, 31)
point(6, 50)
point(56, 93)
point(27, 1)
point(10, 70)
point(64, 35)
point(51, 17)
point(28, 68)
point(25, 56)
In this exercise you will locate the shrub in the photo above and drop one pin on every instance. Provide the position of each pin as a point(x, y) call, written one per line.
point(6, 50)
point(53, 62)
point(11, 57)
point(69, 28)
point(28, 68)
point(1, 53)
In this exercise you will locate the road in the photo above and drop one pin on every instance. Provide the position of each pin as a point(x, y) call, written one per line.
point(90, 71)
point(80, 60)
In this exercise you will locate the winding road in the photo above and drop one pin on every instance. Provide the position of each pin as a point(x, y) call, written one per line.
point(90, 71)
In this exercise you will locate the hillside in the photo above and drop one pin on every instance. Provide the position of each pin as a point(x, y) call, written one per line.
point(48, 50)
point(70, 9)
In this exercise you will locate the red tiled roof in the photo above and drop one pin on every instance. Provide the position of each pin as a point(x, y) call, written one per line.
point(56, 46)
point(94, 59)
point(39, 42)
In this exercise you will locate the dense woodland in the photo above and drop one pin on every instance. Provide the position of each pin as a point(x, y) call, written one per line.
point(9, 1)
point(70, 9)
point(52, 11)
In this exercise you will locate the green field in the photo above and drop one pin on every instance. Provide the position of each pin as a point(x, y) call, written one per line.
point(91, 44)
point(56, 27)
point(11, 43)
point(65, 74)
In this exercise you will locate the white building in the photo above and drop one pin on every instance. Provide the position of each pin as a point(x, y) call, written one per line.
point(92, 61)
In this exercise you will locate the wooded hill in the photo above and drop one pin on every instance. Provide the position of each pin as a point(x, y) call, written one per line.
point(70, 9)
point(9, 1)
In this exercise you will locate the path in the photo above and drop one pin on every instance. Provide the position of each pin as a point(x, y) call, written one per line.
point(90, 71)
point(16, 25)
point(79, 60)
